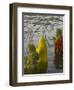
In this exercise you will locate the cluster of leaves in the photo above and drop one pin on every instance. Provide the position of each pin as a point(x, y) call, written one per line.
point(30, 60)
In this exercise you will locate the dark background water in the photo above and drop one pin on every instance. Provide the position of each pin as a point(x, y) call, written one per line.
point(51, 65)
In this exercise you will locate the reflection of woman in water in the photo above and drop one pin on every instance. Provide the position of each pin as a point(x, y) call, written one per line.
point(58, 43)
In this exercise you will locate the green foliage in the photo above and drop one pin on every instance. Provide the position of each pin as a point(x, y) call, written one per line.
point(34, 56)
point(31, 48)
point(30, 61)
point(28, 64)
